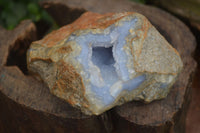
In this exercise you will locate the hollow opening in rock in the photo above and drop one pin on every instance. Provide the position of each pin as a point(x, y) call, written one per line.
point(103, 58)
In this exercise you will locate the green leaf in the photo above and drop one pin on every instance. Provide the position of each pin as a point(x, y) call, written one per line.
point(19, 10)
point(11, 21)
point(14, 11)
point(139, 1)
point(33, 8)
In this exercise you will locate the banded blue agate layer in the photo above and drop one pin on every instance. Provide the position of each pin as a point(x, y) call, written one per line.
point(104, 61)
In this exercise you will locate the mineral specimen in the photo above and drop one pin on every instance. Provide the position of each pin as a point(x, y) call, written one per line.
point(100, 61)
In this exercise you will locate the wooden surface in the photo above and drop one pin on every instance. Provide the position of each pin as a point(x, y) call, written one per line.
point(187, 9)
point(193, 115)
point(28, 106)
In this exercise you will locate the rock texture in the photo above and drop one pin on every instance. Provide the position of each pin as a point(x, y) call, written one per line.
point(100, 61)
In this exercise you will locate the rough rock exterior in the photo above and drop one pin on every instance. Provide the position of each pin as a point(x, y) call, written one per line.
point(100, 61)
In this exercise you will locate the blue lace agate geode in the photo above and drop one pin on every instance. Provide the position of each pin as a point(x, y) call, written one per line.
point(101, 61)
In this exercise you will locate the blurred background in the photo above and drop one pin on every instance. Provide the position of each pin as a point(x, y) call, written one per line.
point(14, 11)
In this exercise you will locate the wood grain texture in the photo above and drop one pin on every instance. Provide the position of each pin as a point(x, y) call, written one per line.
point(187, 9)
point(28, 106)
point(19, 37)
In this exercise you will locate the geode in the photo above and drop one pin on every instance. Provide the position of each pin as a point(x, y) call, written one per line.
point(100, 61)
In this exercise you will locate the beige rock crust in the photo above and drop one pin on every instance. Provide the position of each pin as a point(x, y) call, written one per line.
point(52, 59)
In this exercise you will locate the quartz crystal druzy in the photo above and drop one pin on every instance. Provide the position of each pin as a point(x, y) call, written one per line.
point(100, 61)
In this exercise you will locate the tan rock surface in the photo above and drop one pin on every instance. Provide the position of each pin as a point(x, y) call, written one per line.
point(151, 62)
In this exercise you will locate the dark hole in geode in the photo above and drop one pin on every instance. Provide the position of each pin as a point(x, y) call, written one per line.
point(103, 58)
point(17, 55)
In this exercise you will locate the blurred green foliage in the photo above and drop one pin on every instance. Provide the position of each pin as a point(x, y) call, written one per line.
point(14, 11)
point(140, 1)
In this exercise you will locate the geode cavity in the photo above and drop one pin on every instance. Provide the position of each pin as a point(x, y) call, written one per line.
point(101, 61)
